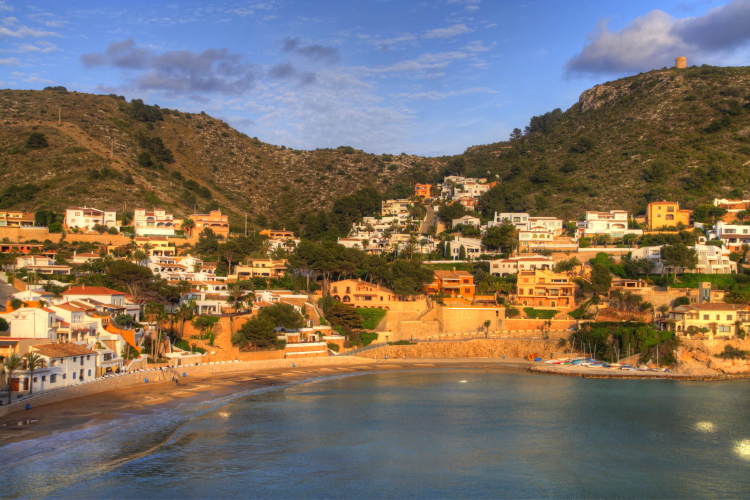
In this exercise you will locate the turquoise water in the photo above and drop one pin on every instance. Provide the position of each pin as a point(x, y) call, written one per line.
point(413, 434)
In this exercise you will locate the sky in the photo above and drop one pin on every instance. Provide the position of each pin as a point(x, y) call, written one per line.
point(386, 76)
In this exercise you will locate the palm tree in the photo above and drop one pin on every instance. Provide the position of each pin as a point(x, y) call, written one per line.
point(663, 309)
point(12, 364)
point(155, 313)
point(185, 313)
point(237, 294)
point(188, 225)
point(34, 361)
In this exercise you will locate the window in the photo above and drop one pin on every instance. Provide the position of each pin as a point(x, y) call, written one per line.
point(44, 378)
point(74, 360)
point(74, 375)
point(705, 317)
point(89, 373)
point(729, 317)
point(52, 378)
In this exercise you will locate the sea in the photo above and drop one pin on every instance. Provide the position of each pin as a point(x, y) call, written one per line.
point(442, 433)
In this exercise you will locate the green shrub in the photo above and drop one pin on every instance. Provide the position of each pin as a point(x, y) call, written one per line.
point(731, 352)
point(368, 338)
point(333, 347)
point(402, 342)
point(371, 317)
point(537, 314)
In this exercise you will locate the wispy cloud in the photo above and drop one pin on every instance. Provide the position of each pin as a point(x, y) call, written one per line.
point(435, 95)
point(29, 77)
point(10, 61)
point(13, 30)
point(654, 40)
point(41, 47)
point(425, 62)
point(451, 31)
point(4, 6)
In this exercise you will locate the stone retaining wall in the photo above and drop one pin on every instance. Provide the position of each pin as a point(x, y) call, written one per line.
point(480, 348)
point(156, 375)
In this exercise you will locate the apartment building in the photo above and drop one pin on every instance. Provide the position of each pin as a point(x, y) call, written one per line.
point(544, 289)
point(154, 223)
point(660, 214)
point(218, 223)
point(87, 217)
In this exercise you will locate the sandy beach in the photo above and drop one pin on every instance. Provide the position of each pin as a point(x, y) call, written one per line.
point(77, 413)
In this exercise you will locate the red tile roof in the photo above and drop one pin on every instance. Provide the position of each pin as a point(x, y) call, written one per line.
point(62, 350)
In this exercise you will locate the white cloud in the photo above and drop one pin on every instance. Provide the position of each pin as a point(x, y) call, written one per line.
point(654, 40)
point(425, 62)
point(11, 61)
point(478, 46)
point(41, 47)
point(4, 6)
point(340, 110)
point(434, 95)
point(451, 31)
point(23, 32)
point(29, 77)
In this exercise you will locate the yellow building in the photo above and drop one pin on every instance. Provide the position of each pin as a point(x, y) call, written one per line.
point(717, 318)
point(261, 268)
point(667, 214)
point(545, 290)
point(218, 223)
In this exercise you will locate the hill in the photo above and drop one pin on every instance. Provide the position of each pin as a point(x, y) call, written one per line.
point(678, 134)
point(673, 134)
point(109, 153)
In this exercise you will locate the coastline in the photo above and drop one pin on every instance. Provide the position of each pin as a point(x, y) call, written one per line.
point(80, 412)
point(84, 411)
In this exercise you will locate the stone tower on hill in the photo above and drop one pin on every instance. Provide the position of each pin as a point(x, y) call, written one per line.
point(680, 62)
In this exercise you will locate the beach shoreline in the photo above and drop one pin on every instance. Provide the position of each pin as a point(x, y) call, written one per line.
point(202, 386)
point(132, 400)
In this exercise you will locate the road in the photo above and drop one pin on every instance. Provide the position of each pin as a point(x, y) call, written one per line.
point(430, 220)
point(5, 290)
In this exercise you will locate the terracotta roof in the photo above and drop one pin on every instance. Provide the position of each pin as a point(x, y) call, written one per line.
point(718, 306)
point(91, 290)
point(62, 350)
point(68, 307)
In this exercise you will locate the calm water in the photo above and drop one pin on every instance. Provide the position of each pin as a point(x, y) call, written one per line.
point(413, 434)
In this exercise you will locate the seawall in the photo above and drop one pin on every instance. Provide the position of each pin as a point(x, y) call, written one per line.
point(479, 348)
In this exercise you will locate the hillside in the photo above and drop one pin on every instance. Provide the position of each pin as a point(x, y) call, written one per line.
point(111, 153)
point(676, 134)
point(668, 134)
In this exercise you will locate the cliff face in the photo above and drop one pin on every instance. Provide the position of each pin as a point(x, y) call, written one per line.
point(697, 357)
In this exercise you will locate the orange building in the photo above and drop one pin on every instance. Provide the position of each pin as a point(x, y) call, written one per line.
point(277, 234)
point(360, 293)
point(218, 223)
point(453, 284)
point(545, 290)
point(423, 190)
point(666, 214)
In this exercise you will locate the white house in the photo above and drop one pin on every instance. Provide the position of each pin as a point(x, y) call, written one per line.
point(66, 364)
point(467, 220)
point(87, 218)
point(711, 260)
point(156, 223)
point(41, 265)
point(613, 223)
point(504, 267)
point(732, 235)
point(33, 323)
point(472, 246)
point(518, 219)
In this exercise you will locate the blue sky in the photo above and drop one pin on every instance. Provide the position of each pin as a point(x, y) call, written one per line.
point(421, 77)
